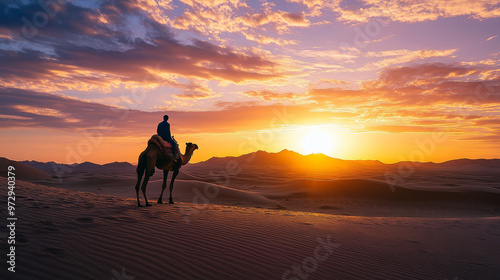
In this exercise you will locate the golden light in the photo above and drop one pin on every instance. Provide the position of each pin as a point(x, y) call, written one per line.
point(317, 140)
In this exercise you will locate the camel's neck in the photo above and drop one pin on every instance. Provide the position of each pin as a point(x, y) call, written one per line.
point(186, 157)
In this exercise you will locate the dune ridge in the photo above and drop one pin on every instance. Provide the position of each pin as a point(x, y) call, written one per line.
point(23, 171)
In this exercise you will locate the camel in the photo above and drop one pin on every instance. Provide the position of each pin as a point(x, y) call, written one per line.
point(152, 157)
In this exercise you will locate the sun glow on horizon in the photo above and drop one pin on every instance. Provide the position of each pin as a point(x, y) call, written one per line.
point(317, 140)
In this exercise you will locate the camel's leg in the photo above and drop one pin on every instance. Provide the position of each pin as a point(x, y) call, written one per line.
point(140, 172)
point(139, 178)
point(144, 185)
point(150, 170)
point(172, 185)
point(164, 186)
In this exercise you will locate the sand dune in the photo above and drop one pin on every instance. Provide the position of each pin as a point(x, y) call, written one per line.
point(236, 226)
point(336, 188)
point(376, 189)
point(23, 171)
point(77, 235)
point(426, 193)
point(190, 191)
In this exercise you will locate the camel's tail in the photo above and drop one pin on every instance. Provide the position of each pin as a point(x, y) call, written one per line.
point(141, 165)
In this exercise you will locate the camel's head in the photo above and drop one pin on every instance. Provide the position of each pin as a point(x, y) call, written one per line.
point(191, 146)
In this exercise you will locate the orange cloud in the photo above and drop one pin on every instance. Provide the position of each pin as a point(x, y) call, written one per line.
point(489, 121)
point(41, 111)
point(270, 95)
point(401, 128)
point(92, 69)
point(280, 20)
point(335, 82)
point(262, 39)
point(222, 17)
point(414, 98)
point(123, 44)
point(156, 9)
point(403, 11)
point(6, 36)
point(192, 95)
point(416, 11)
point(328, 55)
point(195, 91)
point(492, 37)
point(401, 57)
point(214, 3)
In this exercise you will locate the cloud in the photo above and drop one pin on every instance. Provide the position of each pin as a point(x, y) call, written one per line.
point(334, 55)
point(401, 57)
point(417, 11)
point(377, 60)
point(223, 17)
point(29, 109)
point(424, 74)
point(195, 91)
point(127, 45)
point(214, 3)
point(451, 97)
point(315, 6)
point(413, 98)
point(268, 95)
point(335, 82)
point(117, 43)
point(403, 11)
point(438, 84)
point(263, 39)
point(492, 138)
point(40, 111)
point(401, 128)
point(192, 95)
point(280, 20)
point(492, 37)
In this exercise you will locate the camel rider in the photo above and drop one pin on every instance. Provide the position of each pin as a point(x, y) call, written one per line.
point(164, 131)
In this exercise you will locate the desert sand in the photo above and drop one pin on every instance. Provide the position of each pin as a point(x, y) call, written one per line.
point(262, 222)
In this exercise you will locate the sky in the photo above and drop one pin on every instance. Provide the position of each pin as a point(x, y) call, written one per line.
point(368, 79)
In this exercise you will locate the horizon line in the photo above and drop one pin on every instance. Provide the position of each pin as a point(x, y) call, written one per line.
point(287, 150)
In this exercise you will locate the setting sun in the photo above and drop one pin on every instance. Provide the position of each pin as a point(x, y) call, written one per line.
point(317, 140)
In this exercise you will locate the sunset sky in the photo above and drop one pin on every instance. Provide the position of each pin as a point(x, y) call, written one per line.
point(386, 80)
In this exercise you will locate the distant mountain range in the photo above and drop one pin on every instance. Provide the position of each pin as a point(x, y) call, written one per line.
point(53, 167)
point(288, 158)
point(291, 159)
point(465, 163)
point(285, 158)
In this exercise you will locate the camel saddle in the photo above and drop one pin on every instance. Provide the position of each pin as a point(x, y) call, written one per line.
point(164, 146)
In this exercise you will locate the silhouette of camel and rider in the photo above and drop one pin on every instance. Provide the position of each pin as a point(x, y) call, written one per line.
point(162, 153)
